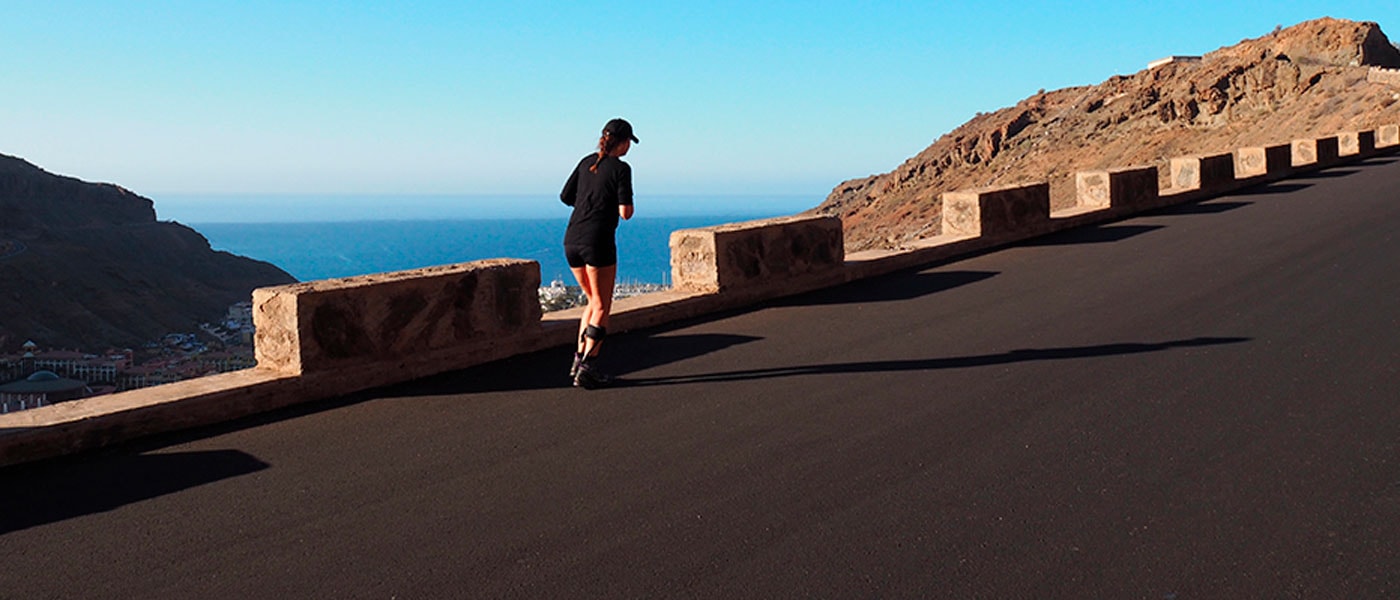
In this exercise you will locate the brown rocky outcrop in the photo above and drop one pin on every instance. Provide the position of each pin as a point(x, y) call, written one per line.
point(86, 265)
point(1305, 81)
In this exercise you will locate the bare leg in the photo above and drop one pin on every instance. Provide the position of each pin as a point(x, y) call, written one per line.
point(581, 274)
point(601, 280)
point(597, 284)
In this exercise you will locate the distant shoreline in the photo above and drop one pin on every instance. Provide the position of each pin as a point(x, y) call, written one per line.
point(329, 250)
point(192, 209)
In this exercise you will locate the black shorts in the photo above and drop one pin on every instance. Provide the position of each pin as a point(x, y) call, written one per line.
point(600, 255)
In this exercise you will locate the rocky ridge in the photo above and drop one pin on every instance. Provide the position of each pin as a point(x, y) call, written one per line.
point(88, 266)
point(1305, 81)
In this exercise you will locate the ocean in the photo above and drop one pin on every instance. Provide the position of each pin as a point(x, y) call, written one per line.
point(324, 238)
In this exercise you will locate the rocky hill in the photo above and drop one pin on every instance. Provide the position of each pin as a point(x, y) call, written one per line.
point(1305, 81)
point(86, 265)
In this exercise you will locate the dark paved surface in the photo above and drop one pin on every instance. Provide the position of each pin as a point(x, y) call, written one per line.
point(1200, 403)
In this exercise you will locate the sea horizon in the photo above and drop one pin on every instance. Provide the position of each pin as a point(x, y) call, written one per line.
point(191, 208)
point(327, 237)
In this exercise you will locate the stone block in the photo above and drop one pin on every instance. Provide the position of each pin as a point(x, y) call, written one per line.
point(763, 252)
point(1263, 161)
point(1129, 188)
point(1093, 189)
point(1250, 162)
point(390, 318)
point(1279, 159)
point(1328, 150)
point(1204, 173)
point(1384, 76)
point(1387, 136)
point(1356, 143)
point(1366, 142)
point(997, 212)
point(1304, 153)
point(1316, 152)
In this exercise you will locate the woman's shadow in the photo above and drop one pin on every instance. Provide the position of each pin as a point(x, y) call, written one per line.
point(644, 349)
point(548, 368)
point(929, 364)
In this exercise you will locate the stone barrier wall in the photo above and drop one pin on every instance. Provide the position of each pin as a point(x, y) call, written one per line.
point(1386, 76)
point(1263, 161)
point(1356, 143)
point(386, 319)
point(1328, 151)
point(1128, 189)
point(1203, 173)
point(1093, 189)
point(1387, 136)
point(766, 252)
point(1319, 152)
point(1304, 153)
point(997, 212)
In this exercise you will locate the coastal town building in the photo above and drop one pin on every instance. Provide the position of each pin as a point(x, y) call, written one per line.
point(40, 388)
point(39, 377)
point(558, 296)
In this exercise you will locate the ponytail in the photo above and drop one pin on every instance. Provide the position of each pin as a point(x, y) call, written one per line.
point(606, 145)
point(602, 153)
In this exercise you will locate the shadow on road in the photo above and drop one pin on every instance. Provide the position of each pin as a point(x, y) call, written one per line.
point(891, 288)
point(929, 364)
point(1105, 234)
point(1328, 174)
point(1201, 208)
point(38, 496)
point(1273, 188)
point(549, 368)
point(638, 351)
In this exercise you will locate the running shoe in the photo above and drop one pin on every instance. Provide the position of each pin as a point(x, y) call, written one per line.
point(589, 377)
point(578, 360)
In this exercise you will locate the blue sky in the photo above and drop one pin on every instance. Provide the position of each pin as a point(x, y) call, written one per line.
point(429, 97)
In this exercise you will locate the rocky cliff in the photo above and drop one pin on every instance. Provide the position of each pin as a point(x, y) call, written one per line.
point(86, 265)
point(1305, 81)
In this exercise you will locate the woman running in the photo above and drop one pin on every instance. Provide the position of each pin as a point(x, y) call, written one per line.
point(600, 190)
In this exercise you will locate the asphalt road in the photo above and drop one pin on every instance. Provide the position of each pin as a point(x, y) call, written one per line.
point(1197, 403)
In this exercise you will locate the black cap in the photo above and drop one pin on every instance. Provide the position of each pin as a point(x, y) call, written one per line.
point(620, 127)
